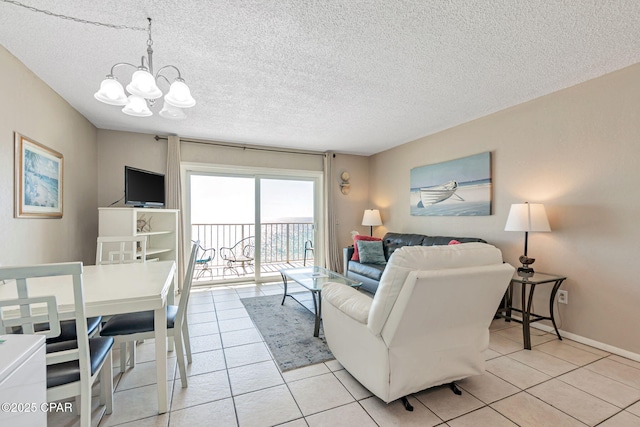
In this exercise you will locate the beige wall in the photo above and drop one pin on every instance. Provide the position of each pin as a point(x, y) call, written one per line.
point(213, 154)
point(117, 149)
point(31, 108)
point(350, 207)
point(576, 151)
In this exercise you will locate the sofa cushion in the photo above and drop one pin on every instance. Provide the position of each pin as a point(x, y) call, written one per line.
point(393, 241)
point(371, 252)
point(356, 238)
point(372, 271)
point(444, 240)
point(407, 259)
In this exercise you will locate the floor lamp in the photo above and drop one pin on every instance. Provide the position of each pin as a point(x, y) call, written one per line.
point(371, 218)
point(527, 217)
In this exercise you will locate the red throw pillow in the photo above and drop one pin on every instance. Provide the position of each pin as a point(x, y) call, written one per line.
point(356, 254)
point(454, 242)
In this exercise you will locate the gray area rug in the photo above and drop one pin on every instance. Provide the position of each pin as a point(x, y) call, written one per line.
point(288, 331)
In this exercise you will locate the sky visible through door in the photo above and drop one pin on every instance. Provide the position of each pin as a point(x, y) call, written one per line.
point(231, 200)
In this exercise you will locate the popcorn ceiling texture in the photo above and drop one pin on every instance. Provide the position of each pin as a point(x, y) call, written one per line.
point(350, 76)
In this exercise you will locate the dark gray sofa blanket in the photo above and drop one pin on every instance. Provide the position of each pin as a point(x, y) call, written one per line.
point(369, 274)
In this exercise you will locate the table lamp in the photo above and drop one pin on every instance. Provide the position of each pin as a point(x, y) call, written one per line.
point(527, 217)
point(371, 218)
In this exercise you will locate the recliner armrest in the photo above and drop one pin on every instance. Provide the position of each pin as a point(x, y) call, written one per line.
point(348, 300)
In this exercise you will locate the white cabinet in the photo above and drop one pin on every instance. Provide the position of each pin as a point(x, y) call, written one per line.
point(23, 381)
point(159, 225)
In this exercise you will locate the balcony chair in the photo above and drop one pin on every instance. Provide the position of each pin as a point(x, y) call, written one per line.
point(139, 326)
point(72, 366)
point(308, 247)
point(121, 249)
point(427, 324)
point(204, 260)
point(241, 253)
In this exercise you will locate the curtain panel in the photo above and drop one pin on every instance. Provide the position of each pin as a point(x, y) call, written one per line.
point(333, 260)
point(174, 198)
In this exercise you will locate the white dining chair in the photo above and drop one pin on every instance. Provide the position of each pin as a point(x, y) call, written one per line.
point(121, 249)
point(72, 366)
point(138, 326)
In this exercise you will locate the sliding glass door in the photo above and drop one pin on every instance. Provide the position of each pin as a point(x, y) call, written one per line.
point(222, 214)
point(287, 223)
point(251, 225)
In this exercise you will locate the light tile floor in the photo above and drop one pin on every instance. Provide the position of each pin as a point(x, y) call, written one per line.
point(233, 381)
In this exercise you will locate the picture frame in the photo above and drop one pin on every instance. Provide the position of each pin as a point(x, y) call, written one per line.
point(459, 187)
point(38, 179)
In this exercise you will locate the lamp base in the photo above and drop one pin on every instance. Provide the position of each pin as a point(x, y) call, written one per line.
point(525, 271)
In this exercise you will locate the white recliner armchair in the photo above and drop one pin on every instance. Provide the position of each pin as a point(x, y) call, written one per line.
point(428, 323)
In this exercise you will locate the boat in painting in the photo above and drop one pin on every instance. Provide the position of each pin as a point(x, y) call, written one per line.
point(438, 193)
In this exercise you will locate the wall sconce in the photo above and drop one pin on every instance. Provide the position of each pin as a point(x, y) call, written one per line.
point(345, 187)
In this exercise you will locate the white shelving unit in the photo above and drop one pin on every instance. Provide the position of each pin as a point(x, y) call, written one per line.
point(159, 225)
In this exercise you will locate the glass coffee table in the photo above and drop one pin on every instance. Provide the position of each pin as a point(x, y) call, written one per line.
point(313, 279)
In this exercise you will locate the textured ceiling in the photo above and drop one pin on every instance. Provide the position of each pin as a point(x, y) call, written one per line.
point(352, 76)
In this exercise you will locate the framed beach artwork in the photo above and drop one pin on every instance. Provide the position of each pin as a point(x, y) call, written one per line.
point(460, 187)
point(38, 180)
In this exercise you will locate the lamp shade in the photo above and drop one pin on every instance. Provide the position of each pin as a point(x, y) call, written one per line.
point(144, 85)
point(179, 95)
point(170, 112)
point(527, 217)
point(137, 107)
point(111, 92)
point(371, 218)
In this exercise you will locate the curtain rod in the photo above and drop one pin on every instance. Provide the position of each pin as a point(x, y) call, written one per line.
point(244, 147)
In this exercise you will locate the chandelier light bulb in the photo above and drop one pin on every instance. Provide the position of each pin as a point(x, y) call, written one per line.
point(179, 95)
point(137, 107)
point(144, 85)
point(170, 112)
point(111, 92)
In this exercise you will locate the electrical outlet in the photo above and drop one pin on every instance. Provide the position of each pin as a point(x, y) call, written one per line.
point(563, 297)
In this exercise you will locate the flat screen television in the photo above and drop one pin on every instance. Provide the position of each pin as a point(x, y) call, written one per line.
point(143, 188)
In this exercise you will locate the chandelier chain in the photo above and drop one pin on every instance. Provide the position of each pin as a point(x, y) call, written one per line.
point(71, 18)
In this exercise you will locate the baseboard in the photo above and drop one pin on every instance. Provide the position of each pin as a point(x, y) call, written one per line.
point(587, 341)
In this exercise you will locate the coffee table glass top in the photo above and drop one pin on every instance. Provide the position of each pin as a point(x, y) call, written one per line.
point(313, 278)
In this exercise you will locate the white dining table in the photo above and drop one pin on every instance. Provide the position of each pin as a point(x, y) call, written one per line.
point(117, 289)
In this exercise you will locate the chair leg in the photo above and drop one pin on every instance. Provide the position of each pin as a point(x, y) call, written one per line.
point(406, 404)
point(106, 384)
point(180, 355)
point(85, 403)
point(170, 344)
point(186, 340)
point(123, 357)
point(132, 354)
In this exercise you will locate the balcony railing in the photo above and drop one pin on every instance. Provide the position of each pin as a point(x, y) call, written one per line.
point(281, 243)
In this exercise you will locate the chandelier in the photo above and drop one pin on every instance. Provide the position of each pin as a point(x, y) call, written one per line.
point(143, 89)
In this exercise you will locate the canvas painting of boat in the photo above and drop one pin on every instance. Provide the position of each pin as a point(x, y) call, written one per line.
point(437, 193)
point(460, 187)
